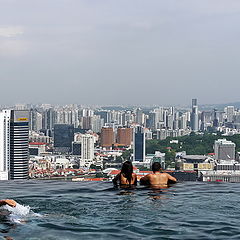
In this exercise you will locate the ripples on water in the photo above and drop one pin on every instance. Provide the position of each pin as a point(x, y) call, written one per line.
point(91, 210)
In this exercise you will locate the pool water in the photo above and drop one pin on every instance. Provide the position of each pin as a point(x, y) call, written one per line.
point(95, 210)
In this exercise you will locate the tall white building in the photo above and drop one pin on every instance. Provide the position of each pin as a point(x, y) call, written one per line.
point(4, 144)
point(230, 113)
point(14, 156)
point(87, 149)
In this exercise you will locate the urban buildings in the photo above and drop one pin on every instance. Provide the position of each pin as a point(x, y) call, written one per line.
point(63, 138)
point(107, 137)
point(87, 150)
point(125, 136)
point(194, 116)
point(139, 144)
point(224, 150)
point(14, 156)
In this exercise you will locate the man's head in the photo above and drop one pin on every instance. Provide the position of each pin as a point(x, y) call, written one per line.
point(156, 166)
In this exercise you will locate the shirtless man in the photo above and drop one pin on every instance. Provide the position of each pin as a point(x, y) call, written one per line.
point(157, 177)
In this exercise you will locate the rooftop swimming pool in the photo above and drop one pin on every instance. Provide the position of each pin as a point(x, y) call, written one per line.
point(95, 210)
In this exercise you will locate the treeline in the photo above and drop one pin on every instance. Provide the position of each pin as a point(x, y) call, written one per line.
point(192, 144)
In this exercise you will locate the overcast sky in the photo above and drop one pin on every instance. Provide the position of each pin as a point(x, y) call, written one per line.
point(119, 52)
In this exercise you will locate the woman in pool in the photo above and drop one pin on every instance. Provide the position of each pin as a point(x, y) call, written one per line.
point(126, 177)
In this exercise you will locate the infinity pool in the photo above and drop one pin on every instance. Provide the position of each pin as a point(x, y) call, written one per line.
point(91, 210)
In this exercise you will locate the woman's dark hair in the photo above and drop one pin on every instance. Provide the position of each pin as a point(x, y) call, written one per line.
point(127, 170)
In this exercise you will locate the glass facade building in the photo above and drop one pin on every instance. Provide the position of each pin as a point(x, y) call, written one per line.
point(63, 137)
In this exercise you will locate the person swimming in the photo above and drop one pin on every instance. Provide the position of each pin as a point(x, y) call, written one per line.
point(126, 177)
point(157, 178)
point(9, 202)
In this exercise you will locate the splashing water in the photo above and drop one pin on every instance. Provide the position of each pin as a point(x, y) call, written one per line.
point(18, 213)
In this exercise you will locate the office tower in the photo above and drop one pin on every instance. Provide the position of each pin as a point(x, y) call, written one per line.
point(87, 149)
point(139, 116)
point(35, 121)
point(230, 113)
point(63, 137)
point(139, 144)
point(48, 119)
point(224, 150)
point(194, 116)
point(107, 137)
point(215, 119)
point(124, 136)
point(4, 144)
point(14, 157)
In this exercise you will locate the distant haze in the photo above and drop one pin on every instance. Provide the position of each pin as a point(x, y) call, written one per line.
point(119, 52)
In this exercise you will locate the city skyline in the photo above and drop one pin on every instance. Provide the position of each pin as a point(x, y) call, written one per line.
point(126, 52)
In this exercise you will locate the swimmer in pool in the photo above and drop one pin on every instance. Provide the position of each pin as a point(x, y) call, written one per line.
point(157, 178)
point(9, 202)
point(126, 177)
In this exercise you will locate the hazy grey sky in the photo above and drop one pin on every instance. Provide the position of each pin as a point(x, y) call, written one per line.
point(119, 52)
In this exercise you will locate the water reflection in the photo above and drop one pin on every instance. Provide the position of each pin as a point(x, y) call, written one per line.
point(6, 224)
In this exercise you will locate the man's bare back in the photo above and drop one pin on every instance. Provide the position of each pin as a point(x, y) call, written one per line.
point(157, 177)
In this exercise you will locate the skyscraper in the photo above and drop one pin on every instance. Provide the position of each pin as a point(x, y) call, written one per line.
point(63, 137)
point(107, 137)
point(124, 136)
point(139, 116)
point(14, 156)
point(139, 144)
point(87, 149)
point(230, 113)
point(194, 116)
point(4, 144)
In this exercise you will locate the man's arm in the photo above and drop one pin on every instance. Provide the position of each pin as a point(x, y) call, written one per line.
point(9, 202)
point(144, 180)
point(171, 179)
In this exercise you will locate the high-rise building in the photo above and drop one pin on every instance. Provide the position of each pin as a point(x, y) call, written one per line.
point(5, 144)
point(139, 144)
point(63, 137)
point(86, 122)
point(107, 137)
point(139, 116)
point(97, 124)
point(215, 119)
point(87, 150)
point(194, 116)
point(224, 150)
point(14, 155)
point(230, 113)
point(124, 136)
point(48, 118)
